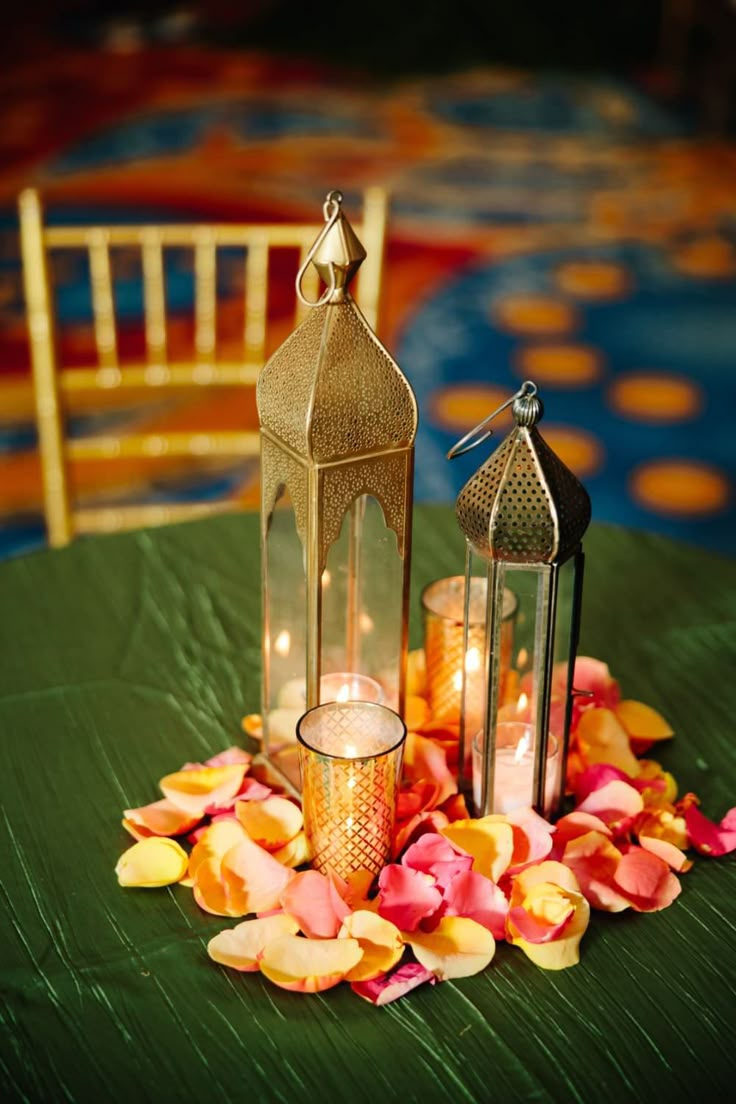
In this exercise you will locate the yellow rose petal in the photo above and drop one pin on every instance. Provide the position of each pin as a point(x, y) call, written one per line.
point(490, 840)
point(458, 947)
point(380, 941)
point(157, 861)
point(242, 946)
point(309, 965)
point(271, 823)
point(194, 790)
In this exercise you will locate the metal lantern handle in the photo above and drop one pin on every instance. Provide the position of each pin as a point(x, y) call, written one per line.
point(480, 433)
point(331, 211)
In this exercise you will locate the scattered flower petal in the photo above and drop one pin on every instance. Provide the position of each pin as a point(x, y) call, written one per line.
point(646, 880)
point(549, 905)
point(593, 860)
point(433, 854)
point(477, 898)
point(490, 840)
point(161, 818)
point(312, 899)
point(254, 879)
point(309, 965)
point(152, 862)
point(603, 739)
point(383, 990)
point(416, 826)
point(271, 823)
point(616, 804)
point(644, 725)
point(229, 756)
point(242, 946)
point(416, 673)
point(709, 838)
point(380, 940)
point(426, 761)
point(457, 948)
point(294, 853)
point(194, 790)
point(407, 896)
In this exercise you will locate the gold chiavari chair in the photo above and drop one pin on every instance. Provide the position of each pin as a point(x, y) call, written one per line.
point(55, 385)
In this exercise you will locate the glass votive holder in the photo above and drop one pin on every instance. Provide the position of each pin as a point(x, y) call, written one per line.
point(443, 606)
point(350, 755)
point(513, 776)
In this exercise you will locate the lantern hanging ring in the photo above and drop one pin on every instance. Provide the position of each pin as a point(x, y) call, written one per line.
point(480, 433)
point(331, 211)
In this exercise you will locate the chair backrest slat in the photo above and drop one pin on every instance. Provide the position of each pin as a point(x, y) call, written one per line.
point(103, 304)
point(256, 297)
point(205, 294)
point(154, 296)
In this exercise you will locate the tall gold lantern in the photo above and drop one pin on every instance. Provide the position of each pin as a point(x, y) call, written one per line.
point(523, 515)
point(338, 422)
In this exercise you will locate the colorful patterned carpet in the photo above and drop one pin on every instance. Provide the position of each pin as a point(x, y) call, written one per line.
point(566, 229)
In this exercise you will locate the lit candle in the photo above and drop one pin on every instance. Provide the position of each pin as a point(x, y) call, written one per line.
point(350, 755)
point(443, 603)
point(513, 785)
point(337, 686)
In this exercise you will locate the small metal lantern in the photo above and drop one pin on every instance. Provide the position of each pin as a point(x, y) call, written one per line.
point(523, 515)
point(338, 422)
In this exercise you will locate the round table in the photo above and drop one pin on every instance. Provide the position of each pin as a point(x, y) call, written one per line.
point(122, 657)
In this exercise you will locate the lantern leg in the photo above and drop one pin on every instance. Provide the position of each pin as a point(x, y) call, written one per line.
point(352, 625)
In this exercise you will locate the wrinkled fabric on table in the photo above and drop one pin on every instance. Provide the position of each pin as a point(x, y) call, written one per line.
point(123, 657)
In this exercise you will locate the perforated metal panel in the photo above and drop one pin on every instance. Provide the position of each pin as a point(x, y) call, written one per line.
point(524, 505)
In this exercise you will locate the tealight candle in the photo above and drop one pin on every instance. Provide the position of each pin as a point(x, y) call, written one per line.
point(336, 686)
point(443, 604)
point(513, 779)
point(350, 755)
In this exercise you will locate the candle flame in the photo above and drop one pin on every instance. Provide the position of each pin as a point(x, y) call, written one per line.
point(366, 623)
point(457, 681)
point(343, 694)
point(522, 703)
point(326, 578)
point(350, 751)
point(522, 748)
point(523, 657)
point(282, 643)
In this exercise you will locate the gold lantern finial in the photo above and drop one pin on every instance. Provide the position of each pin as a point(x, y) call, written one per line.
point(337, 254)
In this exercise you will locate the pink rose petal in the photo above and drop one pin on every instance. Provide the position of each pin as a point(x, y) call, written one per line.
point(229, 756)
point(534, 930)
point(532, 838)
point(594, 860)
point(433, 854)
point(390, 987)
point(646, 880)
point(415, 827)
point(406, 896)
point(478, 898)
point(709, 838)
point(573, 825)
point(616, 803)
point(426, 761)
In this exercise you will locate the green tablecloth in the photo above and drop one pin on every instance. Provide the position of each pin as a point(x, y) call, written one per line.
point(124, 656)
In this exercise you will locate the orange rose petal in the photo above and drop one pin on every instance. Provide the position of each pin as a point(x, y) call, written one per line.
point(215, 842)
point(416, 673)
point(295, 852)
point(409, 830)
point(252, 726)
point(603, 739)
point(664, 792)
point(255, 880)
point(380, 941)
point(241, 947)
point(194, 790)
point(593, 860)
point(160, 818)
point(211, 892)
point(615, 803)
point(673, 856)
point(458, 947)
point(270, 823)
point(646, 880)
point(153, 862)
point(314, 902)
point(416, 712)
point(426, 761)
point(561, 952)
point(309, 965)
point(490, 840)
point(642, 722)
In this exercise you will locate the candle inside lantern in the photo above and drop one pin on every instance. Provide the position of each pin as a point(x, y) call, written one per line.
point(350, 755)
point(513, 779)
point(443, 603)
point(336, 686)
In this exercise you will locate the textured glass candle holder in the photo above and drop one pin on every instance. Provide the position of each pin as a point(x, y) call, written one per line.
point(443, 608)
point(350, 755)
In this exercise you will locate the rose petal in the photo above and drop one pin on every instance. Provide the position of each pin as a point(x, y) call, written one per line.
point(646, 880)
point(194, 790)
point(534, 891)
point(416, 712)
point(153, 862)
point(603, 739)
point(390, 987)
point(229, 756)
point(380, 940)
point(242, 946)
point(571, 826)
point(594, 859)
point(309, 965)
point(416, 673)
point(644, 725)
point(270, 823)
point(457, 948)
point(255, 880)
point(709, 838)
point(415, 827)
point(215, 842)
point(434, 855)
point(616, 804)
point(490, 840)
point(294, 853)
point(477, 898)
point(597, 776)
point(406, 896)
point(426, 761)
point(312, 899)
point(161, 818)
point(667, 852)
point(532, 838)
